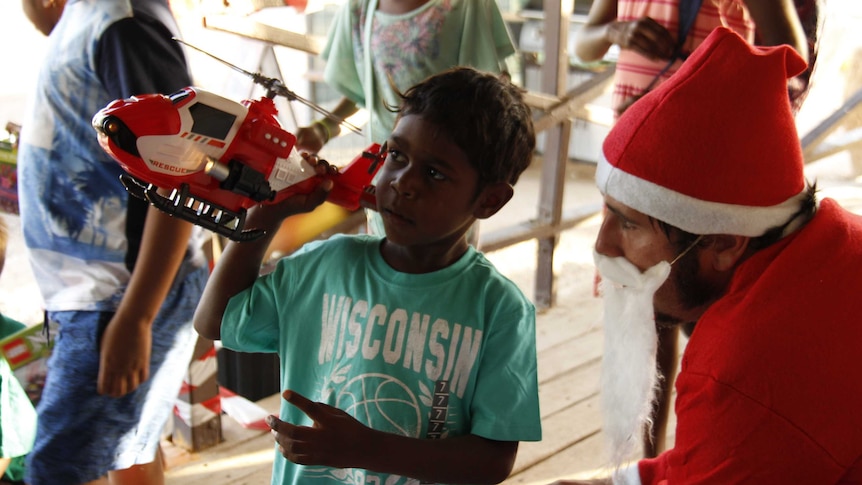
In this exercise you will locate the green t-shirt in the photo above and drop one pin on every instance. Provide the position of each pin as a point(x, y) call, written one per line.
point(434, 355)
point(408, 48)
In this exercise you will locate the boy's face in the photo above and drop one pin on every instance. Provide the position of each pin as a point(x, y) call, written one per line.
point(426, 193)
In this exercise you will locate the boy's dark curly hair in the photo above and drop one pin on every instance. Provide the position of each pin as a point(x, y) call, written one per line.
point(483, 114)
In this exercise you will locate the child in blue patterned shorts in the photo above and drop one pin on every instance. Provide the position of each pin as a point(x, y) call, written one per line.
point(119, 278)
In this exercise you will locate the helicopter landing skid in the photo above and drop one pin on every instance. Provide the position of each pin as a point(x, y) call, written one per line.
point(179, 203)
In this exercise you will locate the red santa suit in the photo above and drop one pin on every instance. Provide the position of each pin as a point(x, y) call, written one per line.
point(771, 381)
point(770, 387)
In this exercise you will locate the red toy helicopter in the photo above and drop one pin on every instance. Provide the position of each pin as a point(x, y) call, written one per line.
point(220, 157)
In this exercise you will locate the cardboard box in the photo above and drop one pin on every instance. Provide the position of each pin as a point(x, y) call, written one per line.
point(8, 177)
point(27, 352)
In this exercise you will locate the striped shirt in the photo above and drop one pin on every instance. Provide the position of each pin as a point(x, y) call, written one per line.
point(634, 72)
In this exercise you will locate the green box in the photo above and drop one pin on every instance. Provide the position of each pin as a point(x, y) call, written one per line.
point(8, 178)
point(27, 352)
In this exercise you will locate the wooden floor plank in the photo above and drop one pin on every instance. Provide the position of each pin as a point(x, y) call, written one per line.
point(569, 355)
point(560, 431)
point(581, 460)
point(243, 452)
point(560, 324)
point(569, 388)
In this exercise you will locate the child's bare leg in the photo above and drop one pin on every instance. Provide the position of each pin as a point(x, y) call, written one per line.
point(147, 474)
point(4, 465)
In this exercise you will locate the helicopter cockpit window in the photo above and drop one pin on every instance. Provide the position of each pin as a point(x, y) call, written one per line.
point(211, 122)
point(179, 96)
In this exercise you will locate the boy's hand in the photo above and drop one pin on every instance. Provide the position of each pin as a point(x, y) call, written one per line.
point(124, 362)
point(335, 439)
point(644, 36)
point(273, 214)
point(308, 138)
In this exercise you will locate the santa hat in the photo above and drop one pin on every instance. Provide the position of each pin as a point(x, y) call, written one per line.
point(713, 150)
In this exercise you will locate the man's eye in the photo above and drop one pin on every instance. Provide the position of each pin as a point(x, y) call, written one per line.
point(621, 221)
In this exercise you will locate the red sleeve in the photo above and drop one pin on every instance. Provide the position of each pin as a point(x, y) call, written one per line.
point(653, 470)
point(723, 436)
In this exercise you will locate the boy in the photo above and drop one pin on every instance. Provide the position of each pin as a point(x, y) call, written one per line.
point(119, 278)
point(423, 361)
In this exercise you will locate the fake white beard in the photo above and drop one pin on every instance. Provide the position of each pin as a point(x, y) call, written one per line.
point(629, 374)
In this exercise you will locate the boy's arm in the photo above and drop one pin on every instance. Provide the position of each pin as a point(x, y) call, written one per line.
point(135, 55)
point(777, 23)
point(313, 137)
point(236, 269)
point(460, 459)
point(126, 343)
point(594, 481)
point(591, 41)
point(602, 30)
point(338, 440)
point(239, 264)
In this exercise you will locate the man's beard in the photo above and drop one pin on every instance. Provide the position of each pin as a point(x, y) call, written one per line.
point(629, 373)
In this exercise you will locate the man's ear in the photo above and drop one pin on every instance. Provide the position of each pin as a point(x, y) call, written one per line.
point(492, 199)
point(726, 251)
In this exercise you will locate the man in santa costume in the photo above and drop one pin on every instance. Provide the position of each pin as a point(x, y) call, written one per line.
point(711, 220)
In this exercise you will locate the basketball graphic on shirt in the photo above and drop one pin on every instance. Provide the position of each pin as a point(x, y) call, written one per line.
point(381, 402)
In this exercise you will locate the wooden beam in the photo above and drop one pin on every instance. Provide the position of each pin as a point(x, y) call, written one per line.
point(541, 101)
point(572, 105)
point(525, 231)
point(252, 29)
point(849, 111)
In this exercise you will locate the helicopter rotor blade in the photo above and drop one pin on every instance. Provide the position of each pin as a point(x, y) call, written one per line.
point(232, 66)
point(283, 91)
point(277, 87)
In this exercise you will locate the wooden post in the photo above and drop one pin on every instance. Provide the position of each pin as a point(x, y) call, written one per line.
point(197, 413)
point(555, 70)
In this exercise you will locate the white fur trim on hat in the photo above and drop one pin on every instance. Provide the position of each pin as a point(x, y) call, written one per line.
point(689, 214)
